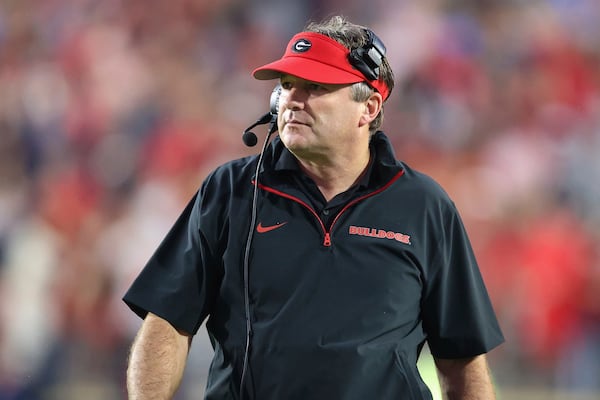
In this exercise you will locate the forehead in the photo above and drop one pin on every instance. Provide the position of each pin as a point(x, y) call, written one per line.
point(296, 79)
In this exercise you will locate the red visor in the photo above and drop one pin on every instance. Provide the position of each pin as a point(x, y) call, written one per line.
point(318, 58)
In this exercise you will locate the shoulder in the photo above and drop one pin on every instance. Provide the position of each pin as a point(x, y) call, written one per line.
point(417, 189)
point(222, 192)
point(424, 189)
point(231, 173)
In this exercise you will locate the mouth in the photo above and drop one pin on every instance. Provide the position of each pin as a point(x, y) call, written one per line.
point(294, 119)
point(296, 122)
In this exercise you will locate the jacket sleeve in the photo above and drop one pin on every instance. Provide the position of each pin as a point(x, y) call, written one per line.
point(457, 312)
point(180, 281)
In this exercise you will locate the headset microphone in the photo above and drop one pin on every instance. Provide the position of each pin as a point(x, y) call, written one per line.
point(248, 137)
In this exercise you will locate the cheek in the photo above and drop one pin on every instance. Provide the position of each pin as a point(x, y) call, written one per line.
point(283, 101)
point(343, 119)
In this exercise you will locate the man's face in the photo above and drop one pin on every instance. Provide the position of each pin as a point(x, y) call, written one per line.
point(316, 120)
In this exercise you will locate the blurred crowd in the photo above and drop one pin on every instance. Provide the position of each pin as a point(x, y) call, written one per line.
point(112, 112)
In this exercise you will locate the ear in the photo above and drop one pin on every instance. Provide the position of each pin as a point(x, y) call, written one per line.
point(371, 108)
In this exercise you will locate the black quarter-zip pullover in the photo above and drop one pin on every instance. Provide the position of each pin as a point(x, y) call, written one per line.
point(340, 306)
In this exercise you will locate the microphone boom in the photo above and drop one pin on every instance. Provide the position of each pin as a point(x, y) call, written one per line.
point(249, 138)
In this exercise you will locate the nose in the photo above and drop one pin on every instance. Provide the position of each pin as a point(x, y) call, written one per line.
point(293, 98)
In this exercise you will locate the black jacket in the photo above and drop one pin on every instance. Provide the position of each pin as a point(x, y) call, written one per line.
point(339, 310)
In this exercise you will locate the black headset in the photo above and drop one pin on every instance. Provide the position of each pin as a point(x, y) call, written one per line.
point(368, 58)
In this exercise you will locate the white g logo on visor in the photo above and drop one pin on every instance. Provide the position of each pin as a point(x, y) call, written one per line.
point(301, 46)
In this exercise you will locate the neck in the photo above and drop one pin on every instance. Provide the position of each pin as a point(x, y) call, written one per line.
point(335, 176)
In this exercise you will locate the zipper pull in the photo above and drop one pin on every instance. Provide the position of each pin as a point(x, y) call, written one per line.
point(327, 240)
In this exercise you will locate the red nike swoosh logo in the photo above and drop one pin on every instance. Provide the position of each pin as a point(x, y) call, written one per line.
point(262, 229)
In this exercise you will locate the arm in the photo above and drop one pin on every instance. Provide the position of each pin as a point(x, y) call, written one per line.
point(157, 360)
point(465, 378)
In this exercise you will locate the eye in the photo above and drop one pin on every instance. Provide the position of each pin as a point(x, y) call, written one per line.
point(315, 87)
point(286, 84)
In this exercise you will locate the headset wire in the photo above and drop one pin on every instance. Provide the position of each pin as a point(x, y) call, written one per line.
point(246, 273)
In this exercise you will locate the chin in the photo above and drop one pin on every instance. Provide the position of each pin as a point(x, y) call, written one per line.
point(293, 139)
point(294, 146)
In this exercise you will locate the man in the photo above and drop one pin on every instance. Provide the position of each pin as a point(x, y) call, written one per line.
point(323, 271)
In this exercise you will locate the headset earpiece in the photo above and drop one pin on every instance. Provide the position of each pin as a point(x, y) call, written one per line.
point(274, 101)
point(368, 58)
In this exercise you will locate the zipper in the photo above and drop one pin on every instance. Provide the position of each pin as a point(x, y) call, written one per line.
point(327, 232)
point(327, 240)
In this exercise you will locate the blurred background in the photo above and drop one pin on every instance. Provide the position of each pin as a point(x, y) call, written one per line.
point(112, 112)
